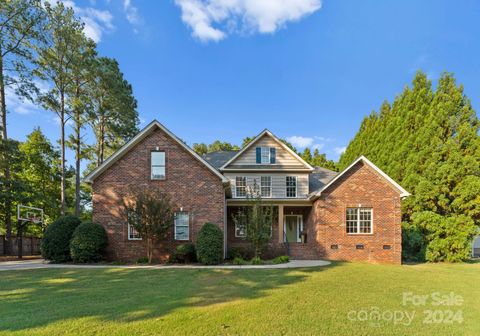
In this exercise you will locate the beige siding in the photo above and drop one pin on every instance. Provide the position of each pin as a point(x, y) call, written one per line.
point(283, 157)
point(278, 182)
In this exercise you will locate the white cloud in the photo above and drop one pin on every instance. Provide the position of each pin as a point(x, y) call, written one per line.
point(212, 20)
point(23, 106)
point(340, 150)
point(131, 12)
point(97, 22)
point(300, 141)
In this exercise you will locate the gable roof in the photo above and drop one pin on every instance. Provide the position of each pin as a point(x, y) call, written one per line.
point(403, 192)
point(319, 178)
point(218, 158)
point(139, 137)
point(277, 140)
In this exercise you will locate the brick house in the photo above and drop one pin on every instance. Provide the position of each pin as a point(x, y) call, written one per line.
point(351, 215)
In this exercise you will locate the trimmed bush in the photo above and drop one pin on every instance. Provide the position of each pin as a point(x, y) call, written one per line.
point(281, 259)
point(56, 239)
point(185, 253)
point(210, 244)
point(88, 243)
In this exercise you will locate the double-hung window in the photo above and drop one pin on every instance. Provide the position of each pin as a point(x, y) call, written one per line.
point(133, 234)
point(157, 161)
point(291, 186)
point(266, 186)
point(182, 225)
point(359, 220)
point(240, 186)
point(265, 155)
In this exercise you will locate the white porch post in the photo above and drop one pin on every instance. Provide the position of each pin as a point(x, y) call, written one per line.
point(280, 223)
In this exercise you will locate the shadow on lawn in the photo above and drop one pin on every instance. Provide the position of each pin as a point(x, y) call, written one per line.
point(36, 298)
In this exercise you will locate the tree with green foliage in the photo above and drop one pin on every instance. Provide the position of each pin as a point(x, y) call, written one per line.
point(40, 173)
point(320, 160)
point(55, 62)
point(429, 142)
point(200, 148)
point(79, 104)
point(20, 26)
point(307, 155)
point(257, 218)
point(113, 116)
point(150, 212)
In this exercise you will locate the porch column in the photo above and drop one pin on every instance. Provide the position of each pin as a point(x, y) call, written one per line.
point(280, 223)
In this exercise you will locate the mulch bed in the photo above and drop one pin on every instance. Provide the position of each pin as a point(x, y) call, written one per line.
point(14, 258)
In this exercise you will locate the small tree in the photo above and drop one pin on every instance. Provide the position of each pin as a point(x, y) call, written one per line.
point(151, 213)
point(256, 218)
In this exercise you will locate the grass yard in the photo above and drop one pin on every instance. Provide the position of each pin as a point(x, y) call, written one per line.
point(331, 300)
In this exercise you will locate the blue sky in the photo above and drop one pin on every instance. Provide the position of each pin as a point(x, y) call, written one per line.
point(308, 70)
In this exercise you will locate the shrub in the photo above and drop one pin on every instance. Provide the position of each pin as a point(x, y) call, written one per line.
point(56, 239)
point(256, 261)
point(88, 243)
point(239, 261)
point(210, 244)
point(185, 253)
point(240, 252)
point(281, 259)
point(142, 260)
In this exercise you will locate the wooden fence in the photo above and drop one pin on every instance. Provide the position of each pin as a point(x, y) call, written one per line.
point(31, 245)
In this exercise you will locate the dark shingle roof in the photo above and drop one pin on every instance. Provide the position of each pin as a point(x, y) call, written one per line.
point(319, 178)
point(219, 158)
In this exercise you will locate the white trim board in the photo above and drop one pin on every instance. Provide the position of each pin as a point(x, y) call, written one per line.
point(258, 137)
point(403, 192)
point(139, 137)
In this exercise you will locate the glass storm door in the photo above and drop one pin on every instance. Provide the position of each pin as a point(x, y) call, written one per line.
point(293, 226)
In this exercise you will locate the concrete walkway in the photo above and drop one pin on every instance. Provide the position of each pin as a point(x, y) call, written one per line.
point(40, 263)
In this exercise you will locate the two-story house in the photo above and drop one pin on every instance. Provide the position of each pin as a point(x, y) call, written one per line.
point(351, 215)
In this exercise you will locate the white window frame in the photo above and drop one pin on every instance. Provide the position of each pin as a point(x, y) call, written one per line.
point(164, 165)
point(286, 186)
point(187, 226)
point(269, 186)
point(358, 221)
point(262, 156)
point(130, 232)
point(242, 186)
point(244, 230)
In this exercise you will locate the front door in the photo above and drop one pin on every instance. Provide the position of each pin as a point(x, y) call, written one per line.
point(292, 227)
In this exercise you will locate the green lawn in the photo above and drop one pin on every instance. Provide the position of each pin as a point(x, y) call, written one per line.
point(237, 302)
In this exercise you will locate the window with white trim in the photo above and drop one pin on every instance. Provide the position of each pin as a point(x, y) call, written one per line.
point(291, 186)
point(265, 155)
point(157, 161)
point(240, 226)
point(266, 186)
point(359, 220)
point(133, 234)
point(240, 186)
point(182, 225)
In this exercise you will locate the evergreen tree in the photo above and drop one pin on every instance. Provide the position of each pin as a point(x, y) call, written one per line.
point(429, 142)
point(55, 62)
point(114, 116)
point(20, 26)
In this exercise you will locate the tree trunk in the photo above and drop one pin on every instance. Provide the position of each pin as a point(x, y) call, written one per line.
point(62, 145)
point(102, 141)
point(4, 137)
point(149, 250)
point(77, 169)
point(78, 154)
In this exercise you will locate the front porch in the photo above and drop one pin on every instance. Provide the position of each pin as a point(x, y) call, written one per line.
point(290, 231)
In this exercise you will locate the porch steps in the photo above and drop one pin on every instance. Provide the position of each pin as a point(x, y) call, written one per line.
point(301, 251)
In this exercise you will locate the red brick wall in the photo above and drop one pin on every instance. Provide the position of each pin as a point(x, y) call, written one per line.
point(189, 182)
point(361, 185)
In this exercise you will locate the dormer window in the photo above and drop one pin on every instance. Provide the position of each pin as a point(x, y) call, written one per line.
point(265, 155)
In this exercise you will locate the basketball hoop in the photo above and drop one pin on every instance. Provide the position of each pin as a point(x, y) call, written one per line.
point(28, 214)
